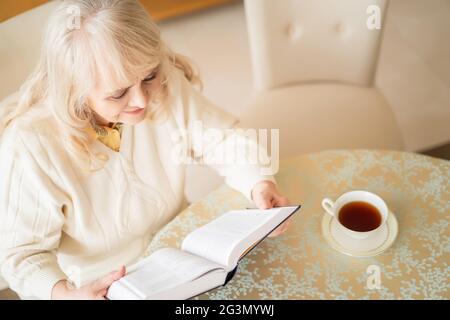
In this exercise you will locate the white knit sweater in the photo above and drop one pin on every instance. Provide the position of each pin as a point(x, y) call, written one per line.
point(56, 220)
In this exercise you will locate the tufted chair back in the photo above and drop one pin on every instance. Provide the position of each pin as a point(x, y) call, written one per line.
point(294, 41)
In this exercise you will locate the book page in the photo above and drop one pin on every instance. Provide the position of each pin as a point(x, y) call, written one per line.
point(165, 269)
point(225, 239)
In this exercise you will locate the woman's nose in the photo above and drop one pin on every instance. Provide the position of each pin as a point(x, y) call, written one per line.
point(139, 98)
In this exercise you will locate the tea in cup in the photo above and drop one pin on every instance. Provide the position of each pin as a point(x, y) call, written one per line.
point(359, 214)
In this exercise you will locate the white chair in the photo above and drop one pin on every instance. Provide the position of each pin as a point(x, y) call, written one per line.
point(313, 65)
point(19, 50)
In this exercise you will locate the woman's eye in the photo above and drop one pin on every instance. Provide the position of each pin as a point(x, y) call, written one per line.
point(119, 96)
point(150, 77)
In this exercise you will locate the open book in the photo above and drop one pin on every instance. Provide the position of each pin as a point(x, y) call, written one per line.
point(208, 257)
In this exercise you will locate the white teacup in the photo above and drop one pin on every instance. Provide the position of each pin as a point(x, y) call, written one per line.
point(334, 208)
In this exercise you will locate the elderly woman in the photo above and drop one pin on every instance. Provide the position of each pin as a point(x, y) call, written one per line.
point(88, 173)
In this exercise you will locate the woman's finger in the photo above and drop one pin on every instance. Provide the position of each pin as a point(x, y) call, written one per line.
point(101, 295)
point(106, 281)
point(281, 229)
point(264, 201)
point(275, 233)
point(280, 201)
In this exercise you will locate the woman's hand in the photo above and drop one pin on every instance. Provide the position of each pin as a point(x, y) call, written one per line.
point(265, 196)
point(94, 291)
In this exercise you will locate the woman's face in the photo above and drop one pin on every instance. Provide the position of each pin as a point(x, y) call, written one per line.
point(127, 105)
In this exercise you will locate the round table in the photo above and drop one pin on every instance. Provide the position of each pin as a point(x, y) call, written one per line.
point(301, 265)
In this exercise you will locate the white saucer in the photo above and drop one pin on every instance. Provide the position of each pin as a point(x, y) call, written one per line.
point(368, 247)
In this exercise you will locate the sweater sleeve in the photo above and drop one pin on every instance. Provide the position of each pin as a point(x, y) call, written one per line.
point(31, 220)
point(212, 137)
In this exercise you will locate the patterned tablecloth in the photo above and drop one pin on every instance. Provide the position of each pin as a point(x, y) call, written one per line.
point(301, 265)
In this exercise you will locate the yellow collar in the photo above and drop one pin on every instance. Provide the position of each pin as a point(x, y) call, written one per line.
point(109, 136)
